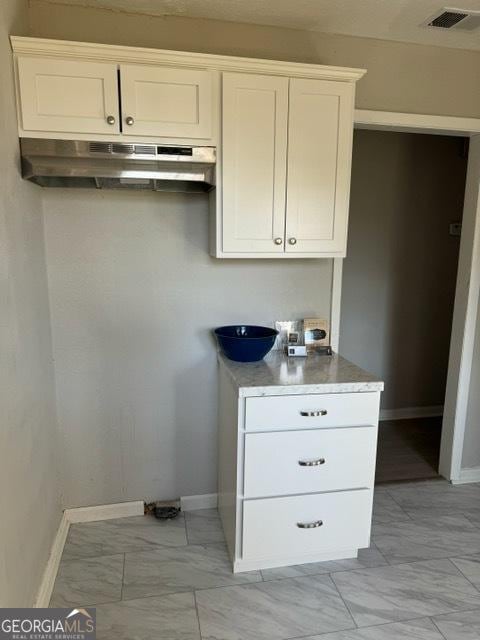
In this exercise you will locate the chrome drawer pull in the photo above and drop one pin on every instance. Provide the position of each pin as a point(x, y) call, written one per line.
point(310, 525)
point(313, 414)
point(311, 463)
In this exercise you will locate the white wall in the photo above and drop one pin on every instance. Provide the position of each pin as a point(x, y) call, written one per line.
point(134, 296)
point(29, 490)
point(397, 300)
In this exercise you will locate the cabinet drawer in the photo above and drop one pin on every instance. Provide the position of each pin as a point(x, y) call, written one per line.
point(309, 461)
point(311, 411)
point(340, 520)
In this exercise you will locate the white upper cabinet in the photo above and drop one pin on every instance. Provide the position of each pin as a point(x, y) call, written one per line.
point(282, 131)
point(286, 145)
point(163, 101)
point(85, 99)
point(254, 133)
point(68, 96)
point(320, 125)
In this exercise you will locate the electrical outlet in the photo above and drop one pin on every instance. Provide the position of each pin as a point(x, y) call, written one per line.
point(455, 229)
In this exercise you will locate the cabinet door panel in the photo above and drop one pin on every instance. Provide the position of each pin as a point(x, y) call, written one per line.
point(254, 162)
point(166, 102)
point(319, 163)
point(71, 96)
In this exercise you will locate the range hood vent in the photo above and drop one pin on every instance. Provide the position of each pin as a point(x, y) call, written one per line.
point(117, 165)
point(464, 19)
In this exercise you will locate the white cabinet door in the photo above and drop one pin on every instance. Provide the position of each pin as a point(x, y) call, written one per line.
point(166, 102)
point(255, 109)
point(69, 96)
point(319, 161)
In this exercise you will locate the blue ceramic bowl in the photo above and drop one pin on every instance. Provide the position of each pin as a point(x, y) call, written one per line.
point(245, 343)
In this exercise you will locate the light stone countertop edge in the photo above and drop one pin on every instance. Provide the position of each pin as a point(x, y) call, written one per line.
point(279, 374)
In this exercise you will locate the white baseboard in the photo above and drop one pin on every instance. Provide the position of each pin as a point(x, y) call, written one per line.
point(406, 413)
point(205, 501)
point(70, 516)
point(468, 475)
point(105, 511)
point(48, 580)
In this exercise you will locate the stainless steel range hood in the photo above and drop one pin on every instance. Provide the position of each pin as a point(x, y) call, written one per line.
point(117, 165)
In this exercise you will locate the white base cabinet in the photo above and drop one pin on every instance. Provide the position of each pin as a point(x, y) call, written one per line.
point(296, 475)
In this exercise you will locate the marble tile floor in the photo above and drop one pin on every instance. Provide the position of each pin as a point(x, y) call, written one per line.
point(151, 580)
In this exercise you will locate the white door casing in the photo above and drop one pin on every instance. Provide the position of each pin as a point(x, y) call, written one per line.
point(463, 324)
point(468, 278)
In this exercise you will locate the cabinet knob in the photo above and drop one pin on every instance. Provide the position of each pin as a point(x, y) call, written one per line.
point(110, 119)
point(129, 120)
point(310, 525)
point(292, 241)
point(278, 240)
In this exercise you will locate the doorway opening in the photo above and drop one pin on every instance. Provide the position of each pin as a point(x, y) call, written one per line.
point(399, 283)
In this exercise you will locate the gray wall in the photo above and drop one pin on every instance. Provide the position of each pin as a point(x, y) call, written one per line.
point(134, 295)
point(130, 273)
point(399, 274)
point(401, 77)
point(29, 490)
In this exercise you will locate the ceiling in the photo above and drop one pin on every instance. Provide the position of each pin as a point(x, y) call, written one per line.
point(385, 19)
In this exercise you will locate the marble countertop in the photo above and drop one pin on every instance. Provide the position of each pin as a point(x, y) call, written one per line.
point(279, 374)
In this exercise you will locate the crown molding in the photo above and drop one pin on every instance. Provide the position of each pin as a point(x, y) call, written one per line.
point(138, 55)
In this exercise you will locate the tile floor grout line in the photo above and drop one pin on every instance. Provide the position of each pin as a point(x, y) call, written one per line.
point(477, 526)
point(372, 544)
point(311, 575)
point(386, 624)
point(374, 626)
point(102, 555)
point(343, 600)
point(257, 582)
point(407, 562)
point(186, 530)
point(452, 558)
point(387, 491)
point(437, 627)
point(198, 615)
point(123, 577)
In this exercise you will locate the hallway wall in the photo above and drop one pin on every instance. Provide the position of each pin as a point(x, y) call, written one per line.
point(400, 272)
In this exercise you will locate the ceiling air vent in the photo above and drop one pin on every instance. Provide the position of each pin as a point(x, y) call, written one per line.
point(454, 19)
